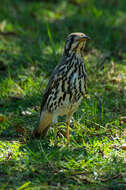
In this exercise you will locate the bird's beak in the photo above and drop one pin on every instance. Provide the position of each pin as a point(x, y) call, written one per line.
point(84, 38)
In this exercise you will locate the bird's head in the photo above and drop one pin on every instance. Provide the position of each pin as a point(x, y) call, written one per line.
point(75, 42)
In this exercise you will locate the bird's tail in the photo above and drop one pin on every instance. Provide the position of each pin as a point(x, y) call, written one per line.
point(45, 122)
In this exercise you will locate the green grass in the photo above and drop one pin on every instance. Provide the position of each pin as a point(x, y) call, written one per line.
point(32, 35)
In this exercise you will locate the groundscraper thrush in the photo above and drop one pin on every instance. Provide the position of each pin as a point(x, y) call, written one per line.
point(66, 87)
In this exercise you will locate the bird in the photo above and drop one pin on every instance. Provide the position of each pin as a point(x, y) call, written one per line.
point(66, 87)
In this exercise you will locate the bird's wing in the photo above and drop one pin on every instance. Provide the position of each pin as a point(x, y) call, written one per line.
point(51, 84)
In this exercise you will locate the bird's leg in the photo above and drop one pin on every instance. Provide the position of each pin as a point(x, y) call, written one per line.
point(68, 131)
point(54, 123)
point(68, 125)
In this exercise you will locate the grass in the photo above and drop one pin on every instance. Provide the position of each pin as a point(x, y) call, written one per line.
point(32, 35)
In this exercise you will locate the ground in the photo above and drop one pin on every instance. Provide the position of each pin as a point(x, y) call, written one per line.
point(32, 35)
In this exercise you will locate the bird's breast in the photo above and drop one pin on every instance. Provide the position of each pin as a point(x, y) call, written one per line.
point(68, 87)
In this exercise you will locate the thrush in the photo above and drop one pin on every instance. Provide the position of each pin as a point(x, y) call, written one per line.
point(66, 87)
